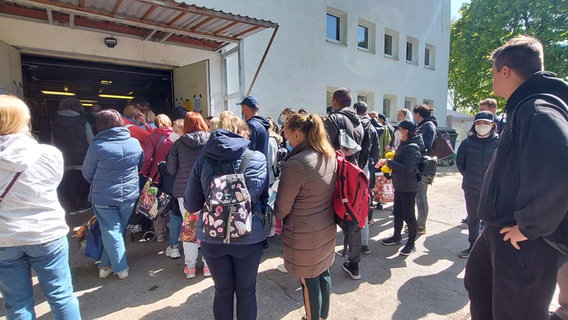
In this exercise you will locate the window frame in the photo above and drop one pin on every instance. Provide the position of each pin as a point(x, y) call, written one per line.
point(394, 36)
point(341, 28)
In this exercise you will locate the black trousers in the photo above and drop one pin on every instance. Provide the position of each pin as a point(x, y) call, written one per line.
point(505, 283)
point(403, 211)
point(73, 191)
point(471, 205)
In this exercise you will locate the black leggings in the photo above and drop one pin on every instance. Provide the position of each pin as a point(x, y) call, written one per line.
point(403, 211)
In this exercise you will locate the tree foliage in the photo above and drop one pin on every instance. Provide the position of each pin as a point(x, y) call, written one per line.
point(487, 24)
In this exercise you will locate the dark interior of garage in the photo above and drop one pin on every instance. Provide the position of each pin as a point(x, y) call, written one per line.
point(46, 81)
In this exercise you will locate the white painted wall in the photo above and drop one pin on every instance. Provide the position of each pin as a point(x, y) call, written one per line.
point(302, 64)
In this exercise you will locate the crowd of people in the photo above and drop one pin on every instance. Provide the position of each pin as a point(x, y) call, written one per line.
point(105, 158)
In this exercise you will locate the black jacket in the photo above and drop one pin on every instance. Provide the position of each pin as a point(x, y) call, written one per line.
point(354, 129)
point(405, 164)
point(70, 137)
point(526, 181)
point(370, 144)
point(474, 155)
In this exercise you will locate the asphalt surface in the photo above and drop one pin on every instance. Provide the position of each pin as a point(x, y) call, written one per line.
point(428, 284)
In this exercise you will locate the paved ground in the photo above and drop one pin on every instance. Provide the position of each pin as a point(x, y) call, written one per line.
point(426, 285)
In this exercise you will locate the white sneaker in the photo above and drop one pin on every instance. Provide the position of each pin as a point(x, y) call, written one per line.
point(282, 268)
point(105, 272)
point(173, 252)
point(123, 274)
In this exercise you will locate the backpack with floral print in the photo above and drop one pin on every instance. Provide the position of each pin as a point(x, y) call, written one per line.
point(227, 214)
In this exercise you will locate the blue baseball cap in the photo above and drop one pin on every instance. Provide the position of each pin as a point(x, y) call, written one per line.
point(250, 102)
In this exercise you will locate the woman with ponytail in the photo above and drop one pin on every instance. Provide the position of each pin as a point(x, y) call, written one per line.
point(304, 203)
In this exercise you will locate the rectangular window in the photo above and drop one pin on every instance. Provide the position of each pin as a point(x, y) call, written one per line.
point(362, 98)
point(430, 56)
point(388, 44)
point(387, 107)
point(363, 37)
point(333, 27)
point(409, 52)
point(427, 57)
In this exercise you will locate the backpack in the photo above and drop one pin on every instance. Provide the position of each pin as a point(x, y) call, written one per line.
point(441, 146)
point(427, 169)
point(227, 213)
point(370, 140)
point(346, 143)
point(352, 195)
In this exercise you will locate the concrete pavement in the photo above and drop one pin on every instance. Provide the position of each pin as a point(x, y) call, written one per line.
point(428, 284)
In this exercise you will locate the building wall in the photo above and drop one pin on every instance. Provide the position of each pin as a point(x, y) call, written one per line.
point(302, 64)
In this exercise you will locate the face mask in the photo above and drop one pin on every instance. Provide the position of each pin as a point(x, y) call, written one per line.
point(288, 146)
point(483, 129)
point(282, 120)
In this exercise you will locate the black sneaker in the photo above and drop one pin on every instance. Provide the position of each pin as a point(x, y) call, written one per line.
point(464, 253)
point(365, 249)
point(407, 250)
point(352, 269)
point(464, 220)
point(391, 241)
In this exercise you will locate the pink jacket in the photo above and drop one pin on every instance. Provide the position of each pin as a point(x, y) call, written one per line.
point(153, 155)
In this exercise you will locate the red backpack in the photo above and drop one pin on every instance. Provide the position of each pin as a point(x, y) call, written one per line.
point(352, 195)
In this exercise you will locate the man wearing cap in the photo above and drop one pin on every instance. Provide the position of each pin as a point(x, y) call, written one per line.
point(258, 127)
point(490, 105)
point(474, 154)
point(344, 117)
point(511, 270)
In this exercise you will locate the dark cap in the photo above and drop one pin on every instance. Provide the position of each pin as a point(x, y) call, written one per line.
point(250, 102)
point(484, 115)
point(360, 106)
point(382, 116)
point(408, 125)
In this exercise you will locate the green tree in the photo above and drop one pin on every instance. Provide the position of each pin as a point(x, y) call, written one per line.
point(485, 25)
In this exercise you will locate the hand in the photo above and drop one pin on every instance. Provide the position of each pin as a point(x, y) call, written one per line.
point(514, 234)
point(142, 119)
point(381, 163)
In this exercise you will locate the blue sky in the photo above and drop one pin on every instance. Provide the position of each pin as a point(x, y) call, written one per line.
point(456, 4)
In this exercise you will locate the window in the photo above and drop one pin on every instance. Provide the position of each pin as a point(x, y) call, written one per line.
point(409, 103)
point(429, 56)
point(367, 97)
point(336, 26)
point(391, 44)
point(333, 27)
point(363, 37)
point(389, 106)
point(412, 50)
point(388, 44)
point(362, 98)
point(430, 103)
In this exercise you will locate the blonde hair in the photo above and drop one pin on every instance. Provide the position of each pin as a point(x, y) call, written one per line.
point(236, 125)
point(162, 121)
point(312, 126)
point(178, 126)
point(225, 114)
point(14, 114)
point(214, 124)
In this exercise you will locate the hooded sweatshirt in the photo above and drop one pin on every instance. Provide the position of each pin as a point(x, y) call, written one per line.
point(525, 183)
point(354, 129)
point(227, 149)
point(30, 212)
point(427, 127)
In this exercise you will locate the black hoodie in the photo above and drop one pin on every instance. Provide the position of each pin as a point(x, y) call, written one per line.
point(526, 181)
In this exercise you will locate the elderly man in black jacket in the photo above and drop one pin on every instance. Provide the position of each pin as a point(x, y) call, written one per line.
point(511, 271)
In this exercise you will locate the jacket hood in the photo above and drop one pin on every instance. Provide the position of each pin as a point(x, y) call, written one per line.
point(17, 152)
point(66, 118)
point(225, 145)
point(430, 118)
point(351, 114)
point(113, 134)
point(540, 82)
point(417, 139)
point(164, 131)
point(265, 122)
point(195, 139)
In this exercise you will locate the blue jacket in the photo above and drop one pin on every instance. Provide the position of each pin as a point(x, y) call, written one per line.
point(427, 127)
point(227, 148)
point(111, 167)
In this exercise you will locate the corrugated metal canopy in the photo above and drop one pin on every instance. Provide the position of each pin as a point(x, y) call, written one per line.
point(163, 21)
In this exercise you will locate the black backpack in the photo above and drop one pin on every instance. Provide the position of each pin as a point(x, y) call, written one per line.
point(427, 169)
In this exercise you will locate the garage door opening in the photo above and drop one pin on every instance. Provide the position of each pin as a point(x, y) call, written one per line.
point(47, 81)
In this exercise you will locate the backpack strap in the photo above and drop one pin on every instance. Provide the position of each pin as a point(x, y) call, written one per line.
point(10, 185)
point(246, 159)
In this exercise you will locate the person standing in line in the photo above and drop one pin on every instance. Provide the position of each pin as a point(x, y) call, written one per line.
point(405, 183)
point(304, 202)
point(33, 231)
point(427, 126)
point(561, 313)
point(181, 159)
point(156, 149)
point(135, 122)
point(111, 165)
point(72, 134)
point(511, 270)
point(234, 265)
point(474, 155)
point(491, 106)
point(344, 113)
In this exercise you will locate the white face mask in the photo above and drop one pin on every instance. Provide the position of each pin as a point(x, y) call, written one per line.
point(483, 129)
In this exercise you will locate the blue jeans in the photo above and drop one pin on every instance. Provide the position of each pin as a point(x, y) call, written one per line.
point(175, 228)
point(51, 264)
point(113, 221)
point(234, 269)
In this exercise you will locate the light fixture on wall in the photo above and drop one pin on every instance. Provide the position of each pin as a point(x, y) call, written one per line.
point(111, 42)
point(113, 96)
point(58, 93)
